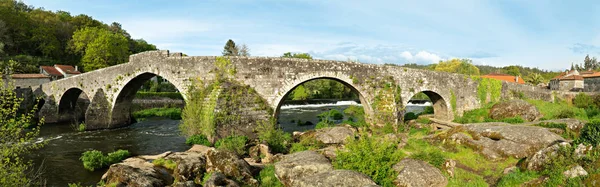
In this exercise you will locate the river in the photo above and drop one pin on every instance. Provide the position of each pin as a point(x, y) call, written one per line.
point(60, 156)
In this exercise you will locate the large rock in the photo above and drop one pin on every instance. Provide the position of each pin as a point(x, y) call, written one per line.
point(575, 171)
point(217, 179)
point(514, 108)
point(418, 173)
point(336, 178)
point(572, 124)
point(334, 135)
point(500, 140)
point(190, 166)
point(541, 158)
point(294, 167)
point(229, 164)
point(136, 172)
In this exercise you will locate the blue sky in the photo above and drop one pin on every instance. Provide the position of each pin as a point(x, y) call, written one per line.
point(547, 34)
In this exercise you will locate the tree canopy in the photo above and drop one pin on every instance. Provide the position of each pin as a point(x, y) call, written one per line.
point(100, 47)
point(462, 66)
point(231, 49)
point(297, 55)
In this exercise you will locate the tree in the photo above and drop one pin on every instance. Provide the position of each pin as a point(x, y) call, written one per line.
point(100, 47)
point(17, 138)
point(462, 66)
point(512, 70)
point(535, 78)
point(230, 49)
point(140, 45)
point(244, 50)
point(300, 93)
point(297, 55)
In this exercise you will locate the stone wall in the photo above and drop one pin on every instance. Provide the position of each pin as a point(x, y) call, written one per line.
point(591, 84)
point(29, 83)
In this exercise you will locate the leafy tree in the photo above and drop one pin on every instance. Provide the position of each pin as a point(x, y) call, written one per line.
point(230, 49)
point(535, 78)
point(512, 70)
point(140, 45)
point(100, 47)
point(462, 66)
point(297, 55)
point(244, 50)
point(300, 93)
point(18, 132)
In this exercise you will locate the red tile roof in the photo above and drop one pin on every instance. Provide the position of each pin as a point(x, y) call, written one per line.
point(593, 74)
point(51, 70)
point(503, 77)
point(572, 77)
point(67, 69)
point(29, 76)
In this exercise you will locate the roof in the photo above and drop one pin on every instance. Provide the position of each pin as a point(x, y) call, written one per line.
point(504, 77)
point(571, 77)
point(29, 76)
point(593, 74)
point(67, 69)
point(51, 70)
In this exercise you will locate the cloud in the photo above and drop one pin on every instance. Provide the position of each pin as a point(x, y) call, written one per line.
point(585, 48)
point(377, 54)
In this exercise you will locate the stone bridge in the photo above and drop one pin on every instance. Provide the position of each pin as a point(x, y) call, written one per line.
point(384, 90)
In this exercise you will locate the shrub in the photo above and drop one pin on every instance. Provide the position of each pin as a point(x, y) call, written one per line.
point(275, 138)
point(166, 163)
point(267, 177)
point(433, 157)
point(324, 124)
point(567, 133)
point(94, 159)
point(306, 143)
point(590, 133)
point(371, 157)
point(583, 100)
point(356, 116)
point(331, 114)
point(410, 116)
point(592, 112)
point(513, 120)
point(473, 116)
point(171, 113)
point(517, 178)
point(198, 139)
point(81, 127)
point(566, 113)
point(428, 110)
point(233, 143)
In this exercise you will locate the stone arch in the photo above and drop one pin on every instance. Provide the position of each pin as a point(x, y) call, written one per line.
point(121, 109)
point(441, 106)
point(72, 105)
point(345, 80)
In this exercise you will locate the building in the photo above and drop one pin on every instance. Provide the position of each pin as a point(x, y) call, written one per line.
point(591, 81)
point(28, 80)
point(505, 77)
point(59, 71)
point(575, 81)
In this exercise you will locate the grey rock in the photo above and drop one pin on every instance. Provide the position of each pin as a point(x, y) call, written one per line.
point(541, 158)
point(136, 172)
point(294, 167)
point(217, 179)
point(229, 164)
point(336, 178)
point(514, 108)
point(575, 171)
point(334, 135)
point(418, 173)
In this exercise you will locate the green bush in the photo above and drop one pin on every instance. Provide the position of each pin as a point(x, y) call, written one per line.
point(306, 143)
point(566, 113)
point(166, 163)
point(233, 143)
point(371, 157)
point(592, 112)
point(277, 140)
point(410, 116)
point(516, 178)
point(513, 120)
point(559, 109)
point(324, 124)
point(332, 114)
point(474, 116)
point(158, 95)
point(583, 100)
point(171, 113)
point(198, 139)
point(428, 110)
point(434, 158)
point(267, 177)
point(590, 133)
point(356, 116)
point(94, 159)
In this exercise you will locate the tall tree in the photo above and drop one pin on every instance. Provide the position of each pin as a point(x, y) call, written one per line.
point(230, 49)
point(244, 50)
point(587, 62)
point(512, 70)
point(100, 47)
point(140, 45)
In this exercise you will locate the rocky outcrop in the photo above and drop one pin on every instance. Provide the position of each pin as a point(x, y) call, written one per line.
point(515, 108)
point(229, 164)
point(575, 171)
point(418, 173)
point(190, 166)
point(334, 135)
point(336, 178)
point(294, 167)
point(136, 172)
point(541, 158)
point(572, 124)
point(217, 179)
point(500, 140)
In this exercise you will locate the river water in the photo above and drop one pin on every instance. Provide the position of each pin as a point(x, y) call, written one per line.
point(60, 156)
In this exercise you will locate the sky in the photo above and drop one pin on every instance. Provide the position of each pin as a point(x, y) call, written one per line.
point(548, 34)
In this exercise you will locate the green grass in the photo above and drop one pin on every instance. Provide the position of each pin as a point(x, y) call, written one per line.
point(464, 178)
point(166, 163)
point(94, 159)
point(171, 113)
point(157, 95)
point(557, 110)
point(198, 139)
point(517, 178)
point(267, 177)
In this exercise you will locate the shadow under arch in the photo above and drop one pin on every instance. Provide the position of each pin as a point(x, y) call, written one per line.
point(73, 105)
point(121, 111)
point(361, 97)
point(441, 109)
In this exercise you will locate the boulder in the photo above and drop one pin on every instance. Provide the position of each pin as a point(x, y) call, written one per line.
point(334, 135)
point(186, 184)
point(217, 179)
point(575, 171)
point(413, 172)
point(136, 172)
point(499, 140)
point(336, 178)
point(296, 166)
point(190, 165)
point(582, 150)
point(572, 124)
point(202, 149)
point(329, 152)
point(541, 158)
point(261, 153)
point(514, 108)
point(229, 164)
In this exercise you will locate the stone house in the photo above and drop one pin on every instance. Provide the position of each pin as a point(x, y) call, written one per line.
point(569, 81)
point(504, 77)
point(59, 71)
point(28, 80)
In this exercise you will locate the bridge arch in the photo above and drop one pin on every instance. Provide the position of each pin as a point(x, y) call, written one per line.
point(288, 87)
point(121, 110)
point(73, 104)
point(441, 106)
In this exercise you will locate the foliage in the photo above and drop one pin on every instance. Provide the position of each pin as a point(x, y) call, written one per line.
point(94, 159)
point(306, 143)
point(166, 163)
point(590, 133)
point(18, 133)
point(267, 177)
point(81, 127)
point(206, 177)
point(583, 100)
point(197, 139)
point(198, 115)
point(322, 89)
point(300, 93)
point(156, 95)
point(234, 143)
point(276, 139)
point(371, 157)
point(423, 120)
point(453, 100)
point(230, 49)
point(297, 55)
point(535, 79)
point(410, 116)
point(324, 124)
point(100, 47)
point(517, 178)
point(567, 133)
point(461, 66)
point(474, 116)
point(491, 87)
point(433, 157)
point(428, 110)
point(332, 114)
point(356, 116)
point(559, 109)
point(513, 120)
point(171, 113)
point(512, 70)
